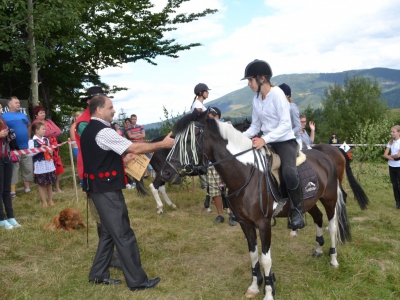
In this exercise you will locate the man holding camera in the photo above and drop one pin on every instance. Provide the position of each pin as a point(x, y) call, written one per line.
point(19, 123)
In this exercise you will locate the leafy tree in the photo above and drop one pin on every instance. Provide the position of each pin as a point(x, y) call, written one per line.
point(76, 38)
point(121, 118)
point(170, 120)
point(369, 137)
point(347, 108)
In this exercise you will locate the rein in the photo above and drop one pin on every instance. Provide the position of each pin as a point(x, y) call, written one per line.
point(195, 147)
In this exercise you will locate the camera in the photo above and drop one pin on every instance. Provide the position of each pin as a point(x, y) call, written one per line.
point(11, 134)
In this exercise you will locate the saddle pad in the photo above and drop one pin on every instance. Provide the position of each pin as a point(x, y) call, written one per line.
point(308, 180)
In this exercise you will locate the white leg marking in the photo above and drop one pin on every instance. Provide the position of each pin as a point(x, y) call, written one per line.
point(293, 233)
point(161, 189)
point(266, 262)
point(157, 198)
point(333, 233)
point(253, 290)
point(318, 250)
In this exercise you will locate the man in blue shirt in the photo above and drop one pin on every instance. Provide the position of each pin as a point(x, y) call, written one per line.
point(19, 122)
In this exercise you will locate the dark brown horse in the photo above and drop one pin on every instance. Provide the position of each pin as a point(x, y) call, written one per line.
point(200, 140)
point(342, 165)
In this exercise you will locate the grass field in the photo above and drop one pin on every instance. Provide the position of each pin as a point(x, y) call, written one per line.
point(198, 259)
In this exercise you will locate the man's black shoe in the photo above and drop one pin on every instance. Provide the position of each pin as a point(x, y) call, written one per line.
point(147, 285)
point(105, 281)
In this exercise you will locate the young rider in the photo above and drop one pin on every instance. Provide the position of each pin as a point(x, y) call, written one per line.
point(271, 115)
point(201, 92)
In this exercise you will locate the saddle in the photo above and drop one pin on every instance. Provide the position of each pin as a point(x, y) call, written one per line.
point(308, 178)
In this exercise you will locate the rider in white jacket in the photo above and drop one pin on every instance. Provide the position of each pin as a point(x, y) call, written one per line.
point(271, 115)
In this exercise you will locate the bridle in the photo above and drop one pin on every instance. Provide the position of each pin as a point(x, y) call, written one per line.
point(194, 166)
point(191, 165)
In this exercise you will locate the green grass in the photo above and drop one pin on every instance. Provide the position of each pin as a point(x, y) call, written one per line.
point(198, 259)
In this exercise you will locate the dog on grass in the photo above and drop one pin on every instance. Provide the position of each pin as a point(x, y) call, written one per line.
point(69, 219)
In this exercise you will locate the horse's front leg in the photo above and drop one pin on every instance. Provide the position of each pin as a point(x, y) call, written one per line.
point(154, 190)
point(161, 189)
point(266, 261)
point(257, 278)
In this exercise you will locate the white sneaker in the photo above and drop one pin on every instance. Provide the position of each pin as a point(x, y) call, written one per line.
point(6, 224)
point(128, 186)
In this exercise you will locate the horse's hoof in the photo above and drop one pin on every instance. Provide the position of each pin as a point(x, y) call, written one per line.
point(335, 265)
point(173, 205)
point(293, 234)
point(160, 211)
point(250, 294)
point(317, 254)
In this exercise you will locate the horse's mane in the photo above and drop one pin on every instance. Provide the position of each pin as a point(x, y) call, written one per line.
point(158, 139)
point(228, 132)
point(184, 122)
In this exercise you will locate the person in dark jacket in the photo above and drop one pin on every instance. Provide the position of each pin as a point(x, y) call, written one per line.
point(103, 180)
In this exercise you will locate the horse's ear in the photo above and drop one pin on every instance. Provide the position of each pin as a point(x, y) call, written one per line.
point(203, 116)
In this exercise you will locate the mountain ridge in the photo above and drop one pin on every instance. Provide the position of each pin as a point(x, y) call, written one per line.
point(307, 89)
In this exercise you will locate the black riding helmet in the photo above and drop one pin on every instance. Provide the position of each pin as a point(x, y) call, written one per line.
point(258, 68)
point(200, 88)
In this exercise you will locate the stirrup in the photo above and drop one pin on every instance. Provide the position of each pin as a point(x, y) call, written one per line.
point(290, 219)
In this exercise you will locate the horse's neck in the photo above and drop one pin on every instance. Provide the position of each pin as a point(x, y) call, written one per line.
point(227, 142)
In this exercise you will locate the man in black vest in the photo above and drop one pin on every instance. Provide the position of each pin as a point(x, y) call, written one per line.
point(102, 148)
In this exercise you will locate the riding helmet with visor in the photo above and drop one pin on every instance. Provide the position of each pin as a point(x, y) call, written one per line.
point(200, 88)
point(256, 69)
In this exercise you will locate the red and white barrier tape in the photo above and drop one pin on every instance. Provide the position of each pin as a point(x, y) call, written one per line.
point(39, 150)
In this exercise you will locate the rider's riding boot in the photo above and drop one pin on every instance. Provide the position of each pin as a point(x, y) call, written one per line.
point(296, 197)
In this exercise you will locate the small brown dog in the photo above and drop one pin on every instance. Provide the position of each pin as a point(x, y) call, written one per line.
point(69, 219)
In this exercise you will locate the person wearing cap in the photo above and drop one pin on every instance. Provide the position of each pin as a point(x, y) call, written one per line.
point(201, 92)
point(102, 149)
point(294, 113)
point(271, 115)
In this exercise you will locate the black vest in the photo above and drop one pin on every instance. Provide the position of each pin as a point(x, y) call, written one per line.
point(103, 171)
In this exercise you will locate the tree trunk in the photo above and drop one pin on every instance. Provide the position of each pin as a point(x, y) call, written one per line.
point(32, 57)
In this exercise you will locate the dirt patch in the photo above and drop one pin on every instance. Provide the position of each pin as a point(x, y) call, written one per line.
point(360, 219)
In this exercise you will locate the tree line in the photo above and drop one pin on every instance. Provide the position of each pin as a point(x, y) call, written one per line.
point(75, 39)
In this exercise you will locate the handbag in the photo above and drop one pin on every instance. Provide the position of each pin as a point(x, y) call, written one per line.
point(14, 158)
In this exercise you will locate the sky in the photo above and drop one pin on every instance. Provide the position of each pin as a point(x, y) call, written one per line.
point(294, 37)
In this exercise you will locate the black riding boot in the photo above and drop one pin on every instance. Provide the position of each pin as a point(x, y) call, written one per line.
point(296, 197)
point(397, 204)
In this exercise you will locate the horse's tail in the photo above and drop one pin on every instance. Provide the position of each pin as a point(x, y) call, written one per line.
point(342, 219)
point(141, 190)
point(358, 191)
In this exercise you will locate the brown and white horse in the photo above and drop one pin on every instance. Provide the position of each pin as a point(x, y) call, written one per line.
point(199, 140)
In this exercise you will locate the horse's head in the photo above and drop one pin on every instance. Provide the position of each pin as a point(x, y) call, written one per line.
point(187, 156)
point(243, 126)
